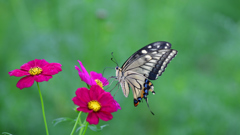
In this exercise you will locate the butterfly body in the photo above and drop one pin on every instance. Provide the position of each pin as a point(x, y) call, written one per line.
point(144, 65)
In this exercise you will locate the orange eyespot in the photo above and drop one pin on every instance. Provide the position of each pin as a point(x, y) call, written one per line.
point(136, 104)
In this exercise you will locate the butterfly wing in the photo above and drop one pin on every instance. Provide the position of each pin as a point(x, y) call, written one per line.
point(147, 63)
point(151, 60)
point(125, 87)
point(140, 86)
point(135, 81)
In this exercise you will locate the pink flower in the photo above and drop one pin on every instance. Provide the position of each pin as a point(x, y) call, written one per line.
point(96, 102)
point(35, 70)
point(93, 79)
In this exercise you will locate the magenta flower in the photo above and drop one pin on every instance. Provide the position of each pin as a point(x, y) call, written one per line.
point(35, 70)
point(96, 102)
point(93, 79)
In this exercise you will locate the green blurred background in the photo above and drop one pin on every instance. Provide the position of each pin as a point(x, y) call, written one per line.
point(198, 94)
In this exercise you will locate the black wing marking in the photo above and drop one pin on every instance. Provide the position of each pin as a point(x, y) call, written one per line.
point(161, 65)
point(151, 60)
point(136, 81)
point(145, 50)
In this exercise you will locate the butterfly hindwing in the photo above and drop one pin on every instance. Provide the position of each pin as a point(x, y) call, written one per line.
point(139, 85)
point(125, 87)
point(135, 81)
point(147, 86)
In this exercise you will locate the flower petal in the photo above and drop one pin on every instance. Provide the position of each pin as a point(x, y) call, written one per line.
point(104, 116)
point(18, 73)
point(40, 63)
point(84, 109)
point(95, 92)
point(83, 68)
point(41, 78)
point(92, 118)
point(51, 69)
point(83, 94)
point(112, 106)
point(109, 108)
point(104, 81)
point(86, 78)
point(117, 104)
point(25, 82)
point(77, 68)
point(34, 63)
point(95, 75)
point(84, 74)
point(26, 66)
point(79, 102)
point(105, 98)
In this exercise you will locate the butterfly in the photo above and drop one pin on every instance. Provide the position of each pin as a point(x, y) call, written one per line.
point(146, 64)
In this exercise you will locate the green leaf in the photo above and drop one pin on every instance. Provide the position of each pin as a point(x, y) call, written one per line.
point(6, 133)
point(80, 128)
point(63, 119)
point(96, 129)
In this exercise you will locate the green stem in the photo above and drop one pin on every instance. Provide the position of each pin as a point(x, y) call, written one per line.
point(75, 125)
point(88, 86)
point(85, 128)
point(44, 117)
point(81, 129)
point(80, 122)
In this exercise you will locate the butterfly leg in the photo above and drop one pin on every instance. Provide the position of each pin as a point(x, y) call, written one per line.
point(114, 87)
point(109, 85)
point(116, 91)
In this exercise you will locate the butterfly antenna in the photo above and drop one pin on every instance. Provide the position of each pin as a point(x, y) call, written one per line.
point(113, 59)
point(148, 106)
point(106, 68)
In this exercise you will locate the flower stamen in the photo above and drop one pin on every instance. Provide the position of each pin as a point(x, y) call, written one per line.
point(35, 71)
point(94, 105)
point(99, 83)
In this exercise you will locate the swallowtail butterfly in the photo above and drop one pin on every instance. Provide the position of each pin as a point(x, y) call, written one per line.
point(144, 65)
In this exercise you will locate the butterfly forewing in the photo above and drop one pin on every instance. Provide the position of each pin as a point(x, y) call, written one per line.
point(151, 48)
point(161, 64)
point(151, 60)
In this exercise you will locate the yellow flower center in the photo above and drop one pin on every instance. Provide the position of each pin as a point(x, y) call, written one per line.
point(35, 71)
point(99, 83)
point(94, 105)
